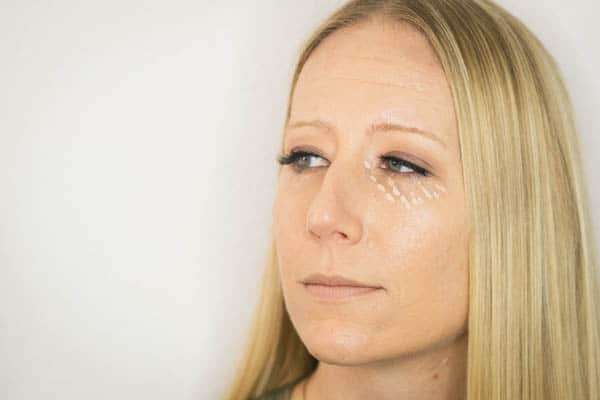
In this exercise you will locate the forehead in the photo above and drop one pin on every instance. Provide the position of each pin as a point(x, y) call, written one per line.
point(359, 73)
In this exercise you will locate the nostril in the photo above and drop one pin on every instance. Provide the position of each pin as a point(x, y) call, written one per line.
point(313, 234)
point(340, 235)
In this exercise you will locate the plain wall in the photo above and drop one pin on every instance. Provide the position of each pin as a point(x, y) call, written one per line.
point(138, 144)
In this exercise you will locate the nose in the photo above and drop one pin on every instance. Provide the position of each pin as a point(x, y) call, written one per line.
point(334, 213)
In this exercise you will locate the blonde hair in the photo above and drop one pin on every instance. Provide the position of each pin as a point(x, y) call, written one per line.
point(534, 291)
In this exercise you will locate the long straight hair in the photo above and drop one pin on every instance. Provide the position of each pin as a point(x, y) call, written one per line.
point(534, 327)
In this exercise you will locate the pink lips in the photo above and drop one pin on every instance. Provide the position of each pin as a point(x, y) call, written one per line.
point(336, 286)
point(335, 280)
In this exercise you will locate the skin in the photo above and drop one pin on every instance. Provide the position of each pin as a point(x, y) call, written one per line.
point(336, 216)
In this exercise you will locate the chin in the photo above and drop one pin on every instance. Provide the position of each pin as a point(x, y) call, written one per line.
point(338, 344)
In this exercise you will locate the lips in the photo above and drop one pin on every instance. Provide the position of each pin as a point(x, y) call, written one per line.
point(336, 280)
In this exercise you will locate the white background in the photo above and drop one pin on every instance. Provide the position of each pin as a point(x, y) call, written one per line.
point(137, 154)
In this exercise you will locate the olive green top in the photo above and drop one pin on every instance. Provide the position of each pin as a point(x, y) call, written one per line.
point(281, 393)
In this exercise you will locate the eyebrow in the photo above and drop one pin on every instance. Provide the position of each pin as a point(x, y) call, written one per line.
point(373, 128)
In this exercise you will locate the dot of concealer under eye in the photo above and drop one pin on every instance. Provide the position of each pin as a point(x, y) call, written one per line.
point(394, 188)
point(406, 203)
point(415, 200)
point(380, 187)
point(424, 190)
point(390, 197)
point(441, 188)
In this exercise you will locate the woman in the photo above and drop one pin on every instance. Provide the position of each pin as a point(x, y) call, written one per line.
point(430, 157)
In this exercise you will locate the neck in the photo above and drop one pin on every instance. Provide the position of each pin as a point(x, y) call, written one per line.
point(438, 374)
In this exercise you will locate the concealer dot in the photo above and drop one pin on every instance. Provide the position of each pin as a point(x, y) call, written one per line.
point(405, 202)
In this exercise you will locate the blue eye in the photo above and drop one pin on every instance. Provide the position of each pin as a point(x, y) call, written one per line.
point(299, 160)
point(395, 162)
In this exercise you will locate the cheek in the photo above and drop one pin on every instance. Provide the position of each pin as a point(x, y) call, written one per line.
point(417, 231)
point(428, 276)
point(289, 203)
point(418, 236)
point(288, 224)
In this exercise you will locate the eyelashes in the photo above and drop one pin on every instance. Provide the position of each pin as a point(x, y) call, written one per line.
point(392, 163)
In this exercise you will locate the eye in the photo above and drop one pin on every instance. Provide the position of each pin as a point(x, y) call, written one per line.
point(298, 159)
point(396, 164)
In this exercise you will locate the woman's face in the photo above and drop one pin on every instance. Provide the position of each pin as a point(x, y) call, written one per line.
point(400, 224)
